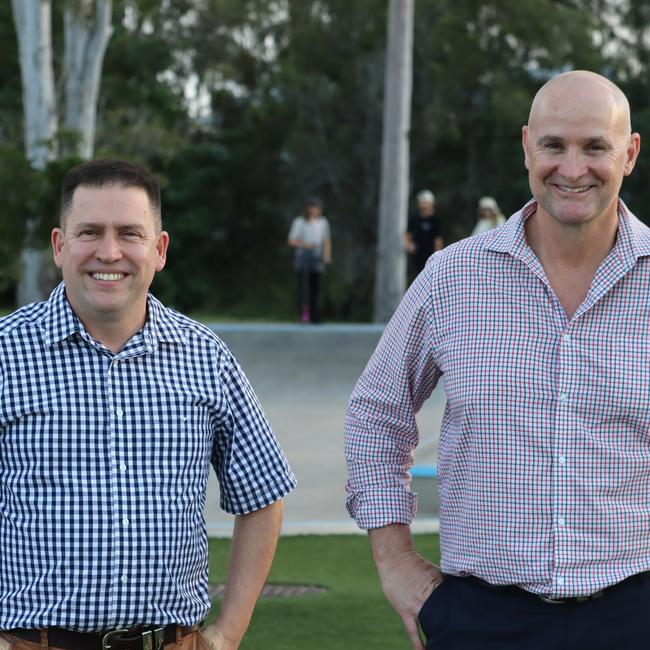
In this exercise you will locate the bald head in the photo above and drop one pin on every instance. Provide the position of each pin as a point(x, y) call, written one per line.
point(582, 88)
point(578, 146)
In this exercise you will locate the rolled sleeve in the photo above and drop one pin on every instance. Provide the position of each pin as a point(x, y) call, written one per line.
point(380, 427)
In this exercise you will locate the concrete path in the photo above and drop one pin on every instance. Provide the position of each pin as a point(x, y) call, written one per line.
point(303, 376)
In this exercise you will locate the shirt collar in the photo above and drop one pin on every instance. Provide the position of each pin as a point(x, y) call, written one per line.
point(632, 241)
point(60, 322)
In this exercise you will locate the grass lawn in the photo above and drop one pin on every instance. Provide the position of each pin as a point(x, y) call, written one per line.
point(352, 615)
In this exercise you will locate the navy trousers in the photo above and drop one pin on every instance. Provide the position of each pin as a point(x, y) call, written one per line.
point(463, 614)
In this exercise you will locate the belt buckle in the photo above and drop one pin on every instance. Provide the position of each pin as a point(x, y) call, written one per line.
point(152, 639)
point(551, 601)
point(109, 635)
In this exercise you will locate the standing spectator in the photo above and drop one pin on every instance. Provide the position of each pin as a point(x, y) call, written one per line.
point(310, 237)
point(422, 237)
point(489, 216)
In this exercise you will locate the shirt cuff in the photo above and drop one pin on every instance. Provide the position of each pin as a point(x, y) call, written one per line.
point(378, 507)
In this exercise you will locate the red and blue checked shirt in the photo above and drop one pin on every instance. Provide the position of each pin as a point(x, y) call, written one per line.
point(544, 456)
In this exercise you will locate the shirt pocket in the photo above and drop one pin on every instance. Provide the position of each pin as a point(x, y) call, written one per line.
point(178, 448)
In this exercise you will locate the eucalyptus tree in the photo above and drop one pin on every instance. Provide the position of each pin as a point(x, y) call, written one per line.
point(87, 30)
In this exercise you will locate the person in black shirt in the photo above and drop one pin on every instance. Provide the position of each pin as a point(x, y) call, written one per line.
point(422, 237)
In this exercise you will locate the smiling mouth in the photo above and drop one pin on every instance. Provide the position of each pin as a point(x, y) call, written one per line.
point(574, 190)
point(107, 277)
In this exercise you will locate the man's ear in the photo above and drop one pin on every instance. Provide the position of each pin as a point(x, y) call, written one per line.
point(633, 148)
point(524, 143)
point(57, 239)
point(161, 247)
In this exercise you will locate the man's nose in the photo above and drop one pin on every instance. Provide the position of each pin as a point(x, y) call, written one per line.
point(108, 249)
point(573, 165)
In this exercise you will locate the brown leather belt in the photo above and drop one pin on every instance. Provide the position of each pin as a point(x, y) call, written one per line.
point(637, 578)
point(142, 637)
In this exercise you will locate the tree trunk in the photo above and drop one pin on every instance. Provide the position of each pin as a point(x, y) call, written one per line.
point(390, 274)
point(87, 30)
point(33, 19)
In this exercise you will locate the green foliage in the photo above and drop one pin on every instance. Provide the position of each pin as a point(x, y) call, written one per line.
point(10, 88)
point(141, 113)
point(290, 105)
point(478, 66)
point(27, 195)
point(225, 236)
point(15, 175)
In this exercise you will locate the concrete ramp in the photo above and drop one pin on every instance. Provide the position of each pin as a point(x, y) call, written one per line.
point(303, 376)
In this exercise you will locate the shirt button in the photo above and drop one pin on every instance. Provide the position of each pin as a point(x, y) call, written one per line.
point(125, 521)
point(119, 413)
point(123, 467)
point(124, 578)
point(563, 397)
point(561, 521)
point(561, 460)
point(559, 580)
point(566, 338)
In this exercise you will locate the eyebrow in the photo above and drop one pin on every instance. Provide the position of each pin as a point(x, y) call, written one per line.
point(545, 139)
point(549, 138)
point(103, 226)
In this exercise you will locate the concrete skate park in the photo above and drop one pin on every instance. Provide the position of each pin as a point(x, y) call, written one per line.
point(303, 376)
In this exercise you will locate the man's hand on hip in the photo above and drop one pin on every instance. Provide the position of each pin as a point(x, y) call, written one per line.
point(406, 577)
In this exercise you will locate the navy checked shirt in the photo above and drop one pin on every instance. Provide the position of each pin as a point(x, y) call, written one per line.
point(104, 462)
point(544, 457)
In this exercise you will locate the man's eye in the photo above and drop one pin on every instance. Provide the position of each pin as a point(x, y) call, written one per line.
point(552, 145)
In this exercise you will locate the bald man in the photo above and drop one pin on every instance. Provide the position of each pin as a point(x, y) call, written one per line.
point(541, 330)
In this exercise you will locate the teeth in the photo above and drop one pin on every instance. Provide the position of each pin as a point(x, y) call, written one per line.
point(574, 190)
point(110, 277)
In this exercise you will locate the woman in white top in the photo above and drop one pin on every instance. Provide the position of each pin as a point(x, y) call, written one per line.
point(310, 238)
point(489, 215)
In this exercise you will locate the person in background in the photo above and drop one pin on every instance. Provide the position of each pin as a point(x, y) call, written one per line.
point(540, 331)
point(422, 237)
point(311, 240)
point(113, 408)
point(488, 214)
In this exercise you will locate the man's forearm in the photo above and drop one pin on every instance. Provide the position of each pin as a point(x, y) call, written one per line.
point(389, 543)
point(406, 578)
point(393, 550)
point(253, 546)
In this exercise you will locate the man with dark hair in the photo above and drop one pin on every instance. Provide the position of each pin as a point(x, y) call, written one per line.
point(112, 409)
point(540, 329)
point(105, 173)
